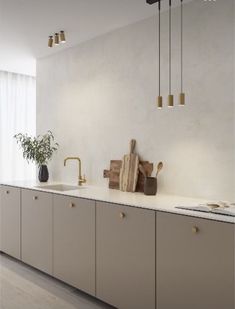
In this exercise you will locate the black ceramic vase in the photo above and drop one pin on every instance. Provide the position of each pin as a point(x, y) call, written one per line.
point(43, 174)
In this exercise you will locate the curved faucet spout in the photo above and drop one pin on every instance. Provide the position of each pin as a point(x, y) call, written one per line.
point(81, 179)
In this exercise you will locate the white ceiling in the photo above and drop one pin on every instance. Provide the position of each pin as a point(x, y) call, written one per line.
point(26, 24)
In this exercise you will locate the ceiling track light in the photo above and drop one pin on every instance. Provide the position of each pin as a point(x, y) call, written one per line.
point(50, 41)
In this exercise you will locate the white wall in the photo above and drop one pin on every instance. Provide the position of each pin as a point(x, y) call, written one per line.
point(97, 96)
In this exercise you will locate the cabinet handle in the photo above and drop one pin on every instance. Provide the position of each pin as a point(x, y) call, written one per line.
point(122, 215)
point(7, 192)
point(35, 198)
point(195, 229)
point(71, 205)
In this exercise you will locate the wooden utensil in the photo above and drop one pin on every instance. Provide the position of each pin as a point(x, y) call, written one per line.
point(129, 170)
point(159, 168)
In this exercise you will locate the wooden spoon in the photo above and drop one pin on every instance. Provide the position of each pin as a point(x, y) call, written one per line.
point(159, 168)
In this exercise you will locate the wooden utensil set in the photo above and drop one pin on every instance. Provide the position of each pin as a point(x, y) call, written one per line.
point(124, 174)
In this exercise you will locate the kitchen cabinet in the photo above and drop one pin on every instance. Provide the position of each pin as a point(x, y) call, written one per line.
point(37, 229)
point(10, 221)
point(125, 256)
point(74, 242)
point(195, 263)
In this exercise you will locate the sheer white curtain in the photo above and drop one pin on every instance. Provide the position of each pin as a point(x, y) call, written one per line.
point(17, 115)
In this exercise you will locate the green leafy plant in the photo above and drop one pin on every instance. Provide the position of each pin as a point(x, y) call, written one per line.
point(37, 149)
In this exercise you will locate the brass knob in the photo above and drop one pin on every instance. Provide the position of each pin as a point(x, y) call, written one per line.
point(195, 229)
point(122, 215)
point(35, 198)
point(71, 205)
point(7, 192)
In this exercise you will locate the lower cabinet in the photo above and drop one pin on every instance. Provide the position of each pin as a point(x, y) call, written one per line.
point(10, 221)
point(37, 229)
point(195, 263)
point(74, 242)
point(125, 253)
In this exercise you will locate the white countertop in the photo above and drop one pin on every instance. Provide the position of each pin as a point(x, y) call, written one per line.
point(160, 202)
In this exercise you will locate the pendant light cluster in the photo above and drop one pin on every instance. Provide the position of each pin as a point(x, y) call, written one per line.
point(170, 96)
point(56, 39)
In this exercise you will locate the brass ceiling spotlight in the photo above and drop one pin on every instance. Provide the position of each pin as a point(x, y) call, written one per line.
point(62, 37)
point(50, 41)
point(56, 38)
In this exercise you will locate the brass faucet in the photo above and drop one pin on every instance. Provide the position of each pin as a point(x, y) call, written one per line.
point(81, 179)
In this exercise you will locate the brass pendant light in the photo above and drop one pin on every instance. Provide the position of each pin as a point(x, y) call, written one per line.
point(170, 96)
point(159, 99)
point(182, 94)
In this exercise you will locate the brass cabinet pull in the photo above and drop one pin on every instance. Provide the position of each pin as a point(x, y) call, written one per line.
point(195, 229)
point(71, 205)
point(35, 198)
point(122, 215)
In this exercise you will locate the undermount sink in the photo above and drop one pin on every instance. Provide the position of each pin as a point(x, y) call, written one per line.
point(59, 187)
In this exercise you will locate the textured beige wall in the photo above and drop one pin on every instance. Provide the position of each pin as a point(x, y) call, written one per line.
point(97, 96)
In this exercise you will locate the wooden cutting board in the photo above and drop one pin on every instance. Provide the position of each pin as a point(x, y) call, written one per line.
point(129, 170)
point(114, 172)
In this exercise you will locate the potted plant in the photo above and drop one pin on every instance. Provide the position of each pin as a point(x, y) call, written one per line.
point(38, 150)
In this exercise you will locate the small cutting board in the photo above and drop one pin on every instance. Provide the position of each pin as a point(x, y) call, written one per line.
point(129, 170)
point(113, 174)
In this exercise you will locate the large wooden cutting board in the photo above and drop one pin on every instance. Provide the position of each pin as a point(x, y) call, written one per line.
point(129, 170)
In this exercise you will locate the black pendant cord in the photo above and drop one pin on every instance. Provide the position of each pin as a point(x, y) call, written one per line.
point(182, 64)
point(169, 47)
point(159, 47)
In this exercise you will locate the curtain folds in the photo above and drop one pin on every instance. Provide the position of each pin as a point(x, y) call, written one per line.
point(17, 115)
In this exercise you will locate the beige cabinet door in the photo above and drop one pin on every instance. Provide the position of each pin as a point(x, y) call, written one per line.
point(125, 252)
point(195, 263)
point(10, 220)
point(37, 229)
point(74, 242)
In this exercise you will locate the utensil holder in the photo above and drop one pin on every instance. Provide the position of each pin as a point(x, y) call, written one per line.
point(150, 186)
